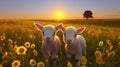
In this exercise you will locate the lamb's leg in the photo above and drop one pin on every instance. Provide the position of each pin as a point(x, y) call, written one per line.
point(84, 51)
point(54, 59)
point(45, 54)
point(69, 57)
point(77, 60)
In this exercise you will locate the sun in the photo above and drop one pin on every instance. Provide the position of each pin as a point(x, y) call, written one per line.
point(59, 15)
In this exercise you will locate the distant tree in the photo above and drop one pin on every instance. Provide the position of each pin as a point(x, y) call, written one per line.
point(87, 14)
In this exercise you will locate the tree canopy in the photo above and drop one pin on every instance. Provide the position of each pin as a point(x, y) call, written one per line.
point(88, 14)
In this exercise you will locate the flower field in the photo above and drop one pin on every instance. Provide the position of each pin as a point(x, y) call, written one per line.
point(20, 43)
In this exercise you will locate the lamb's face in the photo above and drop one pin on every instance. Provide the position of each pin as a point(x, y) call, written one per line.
point(48, 31)
point(70, 35)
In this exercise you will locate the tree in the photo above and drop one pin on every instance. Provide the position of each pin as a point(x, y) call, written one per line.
point(87, 14)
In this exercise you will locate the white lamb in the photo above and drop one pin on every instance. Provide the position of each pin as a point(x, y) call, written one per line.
point(50, 42)
point(75, 44)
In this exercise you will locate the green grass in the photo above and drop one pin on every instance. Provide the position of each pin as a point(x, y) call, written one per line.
point(21, 31)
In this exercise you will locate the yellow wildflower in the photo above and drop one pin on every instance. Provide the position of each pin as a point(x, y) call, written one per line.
point(108, 42)
point(15, 47)
point(35, 53)
point(98, 53)
point(10, 41)
point(99, 60)
point(69, 64)
point(2, 37)
point(5, 55)
point(16, 63)
point(83, 60)
point(111, 47)
point(33, 62)
point(27, 44)
point(10, 44)
point(32, 46)
point(111, 54)
point(21, 50)
point(100, 43)
point(40, 64)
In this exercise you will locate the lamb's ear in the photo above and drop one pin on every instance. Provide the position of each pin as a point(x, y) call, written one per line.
point(80, 30)
point(62, 28)
point(59, 26)
point(38, 26)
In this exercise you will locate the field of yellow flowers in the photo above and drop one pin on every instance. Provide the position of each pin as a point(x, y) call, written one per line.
point(20, 43)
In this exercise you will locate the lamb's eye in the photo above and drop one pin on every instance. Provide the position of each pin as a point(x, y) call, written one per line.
point(43, 32)
point(75, 35)
point(54, 33)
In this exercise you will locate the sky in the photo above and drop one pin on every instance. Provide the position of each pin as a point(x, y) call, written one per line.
point(48, 9)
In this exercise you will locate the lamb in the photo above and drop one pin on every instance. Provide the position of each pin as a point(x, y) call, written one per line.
point(75, 45)
point(50, 42)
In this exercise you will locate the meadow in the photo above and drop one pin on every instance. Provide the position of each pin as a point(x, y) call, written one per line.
point(20, 43)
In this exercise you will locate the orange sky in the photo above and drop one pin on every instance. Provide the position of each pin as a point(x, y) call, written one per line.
point(49, 9)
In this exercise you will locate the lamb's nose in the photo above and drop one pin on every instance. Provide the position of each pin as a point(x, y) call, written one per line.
point(69, 41)
point(48, 38)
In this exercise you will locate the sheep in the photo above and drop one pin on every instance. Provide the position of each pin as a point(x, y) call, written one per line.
point(50, 41)
point(75, 45)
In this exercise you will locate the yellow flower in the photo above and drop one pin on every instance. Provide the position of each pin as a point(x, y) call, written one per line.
point(108, 42)
point(21, 50)
point(27, 44)
point(69, 64)
point(40, 64)
point(2, 37)
point(98, 53)
point(32, 46)
point(5, 55)
point(1, 65)
point(100, 43)
point(15, 47)
point(83, 60)
point(111, 54)
point(33, 62)
point(99, 60)
point(110, 48)
point(16, 63)
point(35, 53)
point(10, 41)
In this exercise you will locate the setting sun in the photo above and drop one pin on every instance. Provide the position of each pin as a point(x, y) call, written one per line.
point(59, 15)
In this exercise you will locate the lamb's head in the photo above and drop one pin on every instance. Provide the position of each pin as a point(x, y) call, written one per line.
point(70, 33)
point(48, 31)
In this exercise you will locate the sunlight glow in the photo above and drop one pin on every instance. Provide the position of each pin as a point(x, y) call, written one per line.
point(59, 15)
